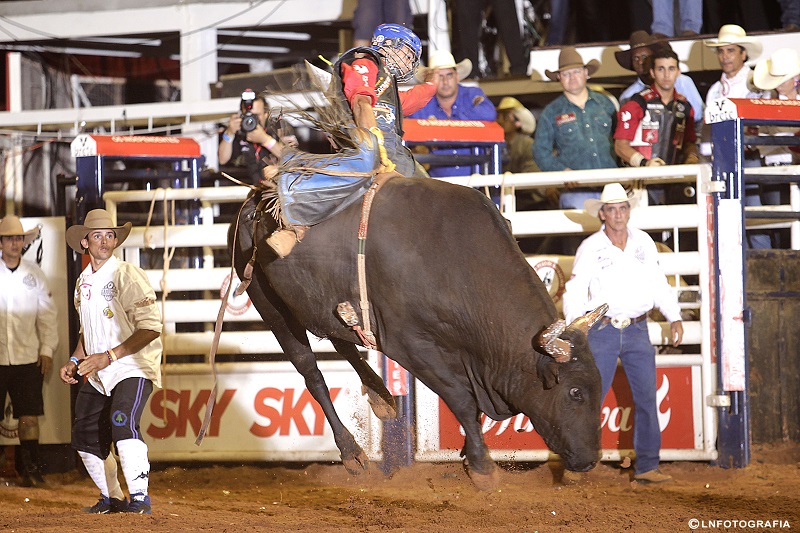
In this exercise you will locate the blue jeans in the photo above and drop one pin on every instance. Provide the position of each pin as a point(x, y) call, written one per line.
point(691, 16)
point(370, 14)
point(790, 12)
point(632, 346)
point(575, 199)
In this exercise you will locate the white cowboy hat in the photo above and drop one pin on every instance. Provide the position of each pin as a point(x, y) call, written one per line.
point(782, 65)
point(613, 193)
point(733, 34)
point(526, 119)
point(11, 226)
point(444, 59)
point(95, 219)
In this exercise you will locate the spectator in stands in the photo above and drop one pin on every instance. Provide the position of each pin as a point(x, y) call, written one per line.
point(370, 14)
point(469, 16)
point(518, 125)
point(734, 50)
point(574, 130)
point(779, 72)
point(642, 46)
point(453, 101)
point(690, 17)
point(257, 148)
point(790, 15)
point(656, 126)
point(618, 265)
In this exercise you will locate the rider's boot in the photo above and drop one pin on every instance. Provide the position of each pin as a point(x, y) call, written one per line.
point(283, 240)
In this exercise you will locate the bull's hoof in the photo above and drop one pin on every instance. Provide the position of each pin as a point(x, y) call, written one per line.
point(356, 464)
point(483, 481)
point(380, 406)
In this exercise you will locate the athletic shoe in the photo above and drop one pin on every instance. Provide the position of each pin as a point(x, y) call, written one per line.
point(653, 476)
point(106, 505)
point(140, 504)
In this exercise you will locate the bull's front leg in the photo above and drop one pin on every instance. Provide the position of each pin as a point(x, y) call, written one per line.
point(479, 465)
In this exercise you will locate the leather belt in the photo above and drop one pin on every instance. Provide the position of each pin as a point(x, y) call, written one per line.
point(622, 322)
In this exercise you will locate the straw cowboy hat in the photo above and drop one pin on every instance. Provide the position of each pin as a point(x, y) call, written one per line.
point(639, 39)
point(11, 226)
point(570, 58)
point(733, 34)
point(95, 219)
point(782, 65)
point(444, 59)
point(613, 193)
point(524, 116)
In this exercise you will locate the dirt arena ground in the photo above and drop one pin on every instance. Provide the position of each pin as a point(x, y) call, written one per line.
point(427, 497)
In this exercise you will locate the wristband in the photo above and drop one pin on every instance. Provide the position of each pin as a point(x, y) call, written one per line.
point(271, 143)
point(637, 160)
point(112, 354)
point(74, 359)
point(226, 137)
point(109, 357)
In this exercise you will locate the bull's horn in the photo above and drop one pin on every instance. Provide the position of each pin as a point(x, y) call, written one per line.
point(583, 323)
point(559, 349)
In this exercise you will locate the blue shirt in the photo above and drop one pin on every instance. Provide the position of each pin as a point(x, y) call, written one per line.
point(463, 109)
point(579, 139)
point(683, 84)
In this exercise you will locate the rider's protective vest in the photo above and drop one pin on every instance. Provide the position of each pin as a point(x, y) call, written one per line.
point(387, 108)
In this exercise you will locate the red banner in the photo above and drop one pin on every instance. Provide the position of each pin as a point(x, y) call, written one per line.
point(675, 413)
point(434, 130)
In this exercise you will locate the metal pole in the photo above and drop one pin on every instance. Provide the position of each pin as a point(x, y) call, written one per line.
point(734, 421)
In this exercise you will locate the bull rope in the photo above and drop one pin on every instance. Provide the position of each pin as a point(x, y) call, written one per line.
point(212, 355)
point(367, 336)
point(167, 257)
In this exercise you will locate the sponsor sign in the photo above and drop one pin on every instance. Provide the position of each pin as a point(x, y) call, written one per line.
point(675, 416)
point(721, 110)
point(435, 130)
point(134, 145)
point(263, 411)
point(236, 305)
point(397, 378)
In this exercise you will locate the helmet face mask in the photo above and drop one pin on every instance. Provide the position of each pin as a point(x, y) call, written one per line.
point(400, 49)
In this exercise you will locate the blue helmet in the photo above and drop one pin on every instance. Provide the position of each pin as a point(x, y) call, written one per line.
point(388, 39)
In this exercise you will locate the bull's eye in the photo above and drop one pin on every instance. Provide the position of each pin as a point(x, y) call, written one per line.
point(576, 394)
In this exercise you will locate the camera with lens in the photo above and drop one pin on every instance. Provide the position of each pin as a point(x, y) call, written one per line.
point(249, 120)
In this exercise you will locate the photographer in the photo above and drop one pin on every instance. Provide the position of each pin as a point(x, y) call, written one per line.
point(248, 139)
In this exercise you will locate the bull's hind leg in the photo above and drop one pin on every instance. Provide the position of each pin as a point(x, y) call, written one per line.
point(382, 402)
point(294, 342)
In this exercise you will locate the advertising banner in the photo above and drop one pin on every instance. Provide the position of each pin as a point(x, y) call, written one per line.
point(263, 412)
point(679, 416)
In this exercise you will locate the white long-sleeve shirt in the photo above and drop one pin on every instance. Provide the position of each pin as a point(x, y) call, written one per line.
point(739, 86)
point(28, 317)
point(630, 281)
point(112, 303)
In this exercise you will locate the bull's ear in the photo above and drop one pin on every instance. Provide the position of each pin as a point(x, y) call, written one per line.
point(547, 370)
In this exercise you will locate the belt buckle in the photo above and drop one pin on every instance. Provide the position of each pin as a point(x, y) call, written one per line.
point(620, 323)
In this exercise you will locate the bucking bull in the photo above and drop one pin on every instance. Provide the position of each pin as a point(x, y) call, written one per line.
point(451, 299)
